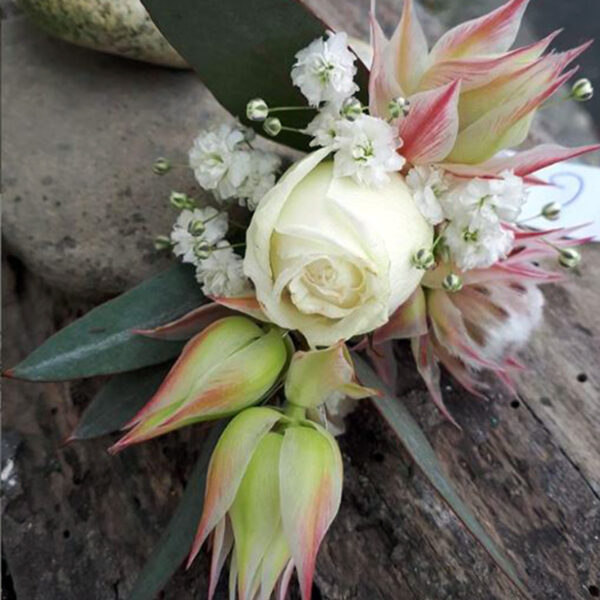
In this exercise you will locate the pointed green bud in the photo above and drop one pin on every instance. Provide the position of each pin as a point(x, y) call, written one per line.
point(181, 201)
point(161, 166)
point(255, 512)
point(257, 110)
point(352, 109)
point(399, 107)
point(310, 486)
point(279, 485)
point(452, 283)
point(569, 258)
point(423, 259)
point(272, 126)
point(231, 365)
point(551, 211)
point(163, 242)
point(582, 90)
point(317, 375)
point(196, 227)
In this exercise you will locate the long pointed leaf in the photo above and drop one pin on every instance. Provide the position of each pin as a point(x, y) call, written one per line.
point(245, 50)
point(103, 341)
point(119, 401)
point(415, 442)
point(175, 542)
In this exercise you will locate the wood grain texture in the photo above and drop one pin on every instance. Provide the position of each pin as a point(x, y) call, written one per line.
point(528, 467)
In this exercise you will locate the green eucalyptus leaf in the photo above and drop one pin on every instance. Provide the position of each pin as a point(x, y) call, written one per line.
point(176, 541)
point(412, 437)
point(119, 401)
point(103, 341)
point(245, 50)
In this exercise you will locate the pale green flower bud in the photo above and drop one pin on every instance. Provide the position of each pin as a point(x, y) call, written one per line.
point(423, 259)
point(279, 484)
point(202, 250)
point(196, 227)
point(317, 375)
point(181, 201)
point(551, 211)
point(161, 166)
point(582, 90)
point(229, 366)
point(569, 258)
point(352, 109)
point(162, 242)
point(272, 126)
point(257, 110)
point(399, 107)
point(452, 283)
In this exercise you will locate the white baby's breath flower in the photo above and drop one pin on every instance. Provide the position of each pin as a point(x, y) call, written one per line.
point(366, 150)
point(324, 126)
point(508, 195)
point(263, 170)
point(477, 240)
point(324, 70)
point(215, 228)
point(504, 197)
point(428, 185)
point(221, 273)
point(218, 161)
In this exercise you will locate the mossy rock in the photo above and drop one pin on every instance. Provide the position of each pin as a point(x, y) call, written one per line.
point(120, 27)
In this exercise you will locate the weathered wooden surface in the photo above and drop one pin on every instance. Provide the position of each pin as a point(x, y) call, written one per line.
point(79, 524)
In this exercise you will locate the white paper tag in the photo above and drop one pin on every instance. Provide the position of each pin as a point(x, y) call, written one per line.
point(577, 188)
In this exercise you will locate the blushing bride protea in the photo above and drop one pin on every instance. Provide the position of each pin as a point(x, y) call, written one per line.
point(470, 95)
point(481, 324)
point(274, 486)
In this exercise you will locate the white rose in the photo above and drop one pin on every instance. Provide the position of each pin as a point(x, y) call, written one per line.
point(332, 258)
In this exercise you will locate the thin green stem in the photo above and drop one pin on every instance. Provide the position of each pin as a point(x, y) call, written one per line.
point(294, 412)
point(294, 129)
point(289, 108)
point(238, 245)
point(440, 235)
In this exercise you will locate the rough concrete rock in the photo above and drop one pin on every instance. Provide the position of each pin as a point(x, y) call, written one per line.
point(80, 133)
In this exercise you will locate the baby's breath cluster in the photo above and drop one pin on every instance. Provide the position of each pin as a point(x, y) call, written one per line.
point(474, 216)
point(225, 163)
point(365, 147)
point(198, 238)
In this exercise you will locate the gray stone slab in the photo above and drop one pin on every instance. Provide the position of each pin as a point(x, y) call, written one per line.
point(80, 131)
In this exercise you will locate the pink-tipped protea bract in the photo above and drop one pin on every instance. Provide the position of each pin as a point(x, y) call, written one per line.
point(227, 367)
point(274, 486)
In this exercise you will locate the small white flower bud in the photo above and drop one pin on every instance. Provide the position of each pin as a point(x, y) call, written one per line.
point(257, 110)
point(582, 90)
point(352, 109)
point(399, 107)
point(201, 250)
point(196, 227)
point(181, 201)
point(551, 211)
point(162, 242)
point(569, 258)
point(272, 126)
point(452, 283)
point(161, 166)
point(423, 259)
